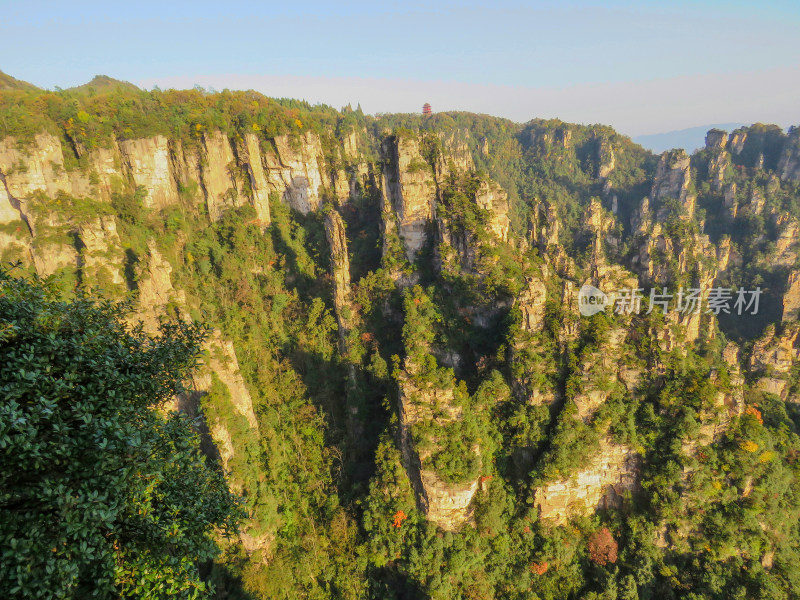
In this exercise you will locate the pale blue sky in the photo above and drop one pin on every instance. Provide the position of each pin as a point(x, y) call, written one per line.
point(640, 66)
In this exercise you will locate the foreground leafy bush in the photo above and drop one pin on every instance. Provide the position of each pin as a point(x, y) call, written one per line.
point(101, 493)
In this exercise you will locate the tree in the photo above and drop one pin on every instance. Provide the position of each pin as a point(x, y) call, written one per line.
point(102, 492)
point(602, 547)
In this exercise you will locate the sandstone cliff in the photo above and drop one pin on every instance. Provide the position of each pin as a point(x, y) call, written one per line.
point(410, 191)
point(608, 479)
point(444, 503)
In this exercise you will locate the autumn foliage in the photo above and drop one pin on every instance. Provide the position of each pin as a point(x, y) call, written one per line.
point(602, 547)
point(399, 517)
point(539, 568)
point(755, 413)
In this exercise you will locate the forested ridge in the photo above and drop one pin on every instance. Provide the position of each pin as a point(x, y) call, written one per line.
point(396, 380)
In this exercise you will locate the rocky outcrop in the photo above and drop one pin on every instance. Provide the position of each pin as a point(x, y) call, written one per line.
point(455, 156)
point(221, 360)
point(340, 271)
point(531, 382)
point(443, 503)
point(545, 228)
point(715, 420)
point(216, 175)
point(606, 159)
point(600, 374)
point(716, 139)
point(738, 139)
point(785, 253)
point(101, 255)
point(229, 174)
point(469, 244)
point(662, 259)
point(296, 170)
point(789, 161)
point(720, 159)
point(155, 291)
point(9, 213)
point(772, 357)
point(35, 167)
point(673, 180)
point(52, 256)
point(147, 161)
point(598, 224)
point(248, 153)
point(791, 298)
point(611, 474)
point(410, 190)
point(491, 197)
point(531, 303)
point(549, 226)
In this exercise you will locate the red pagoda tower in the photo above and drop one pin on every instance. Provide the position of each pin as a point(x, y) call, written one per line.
point(426, 109)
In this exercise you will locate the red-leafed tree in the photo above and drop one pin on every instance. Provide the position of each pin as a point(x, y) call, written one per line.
point(602, 547)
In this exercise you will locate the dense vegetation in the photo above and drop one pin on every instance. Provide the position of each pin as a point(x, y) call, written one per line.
point(323, 479)
point(102, 494)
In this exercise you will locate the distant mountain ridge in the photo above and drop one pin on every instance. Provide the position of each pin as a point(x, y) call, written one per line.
point(689, 139)
point(104, 83)
point(98, 84)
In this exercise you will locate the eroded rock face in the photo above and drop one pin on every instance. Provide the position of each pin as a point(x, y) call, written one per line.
point(101, 253)
point(531, 303)
point(716, 139)
point(9, 213)
point(789, 162)
point(37, 167)
point(785, 253)
point(410, 190)
point(296, 170)
point(218, 183)
point(791, 299)
point(49, 258)
point(155, 288)
point(249, 155)
point(455, 156)
point(641, 219)
point(715, 421)
point(612, 472)
point(673, 178)
point(446, 504)
point(147, 161)
point(443, 503)
point(490, 196)
point(228, 175)
point(599, 225)
point(550, 226)
point(773, 356)
point(221, 360)
point(105, 165)
point(718, 165)
point(607, 161)
point(340, 271)
point(738, 138)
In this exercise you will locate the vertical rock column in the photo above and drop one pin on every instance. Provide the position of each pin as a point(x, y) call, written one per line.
point(248, 153)
point(444, 503)
point(340, 271)
point(411, 191)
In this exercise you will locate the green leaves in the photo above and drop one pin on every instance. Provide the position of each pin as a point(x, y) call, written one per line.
point(101, 492)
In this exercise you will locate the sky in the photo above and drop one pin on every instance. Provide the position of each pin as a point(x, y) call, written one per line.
point(643, 67)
